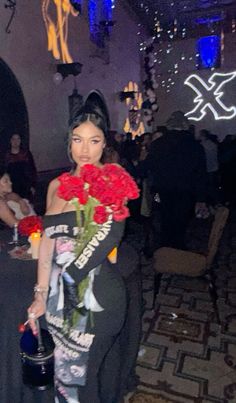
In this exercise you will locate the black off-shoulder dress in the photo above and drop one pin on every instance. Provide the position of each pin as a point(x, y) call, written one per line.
point(86, 305)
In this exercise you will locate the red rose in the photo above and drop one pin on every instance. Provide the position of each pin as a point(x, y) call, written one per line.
point(107, 197)
point(122, 183)
point(100, 214)
point(121, 214)
point(90, 173)
point(111, 185)
point(30, 224)
point(70, 187)
point(112, 170)
point(96, 188)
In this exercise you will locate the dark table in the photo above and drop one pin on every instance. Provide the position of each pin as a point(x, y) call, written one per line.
point(17, 279)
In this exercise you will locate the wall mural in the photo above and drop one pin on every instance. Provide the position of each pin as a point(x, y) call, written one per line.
point(56, 18)
point(134, 123)
point(209, 96)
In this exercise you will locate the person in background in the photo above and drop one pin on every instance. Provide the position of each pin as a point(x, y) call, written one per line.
point(143, 141)
point(110, 156)
point(227, 160)
point(192, 131)
point(152, 223)
point(178, 167)
point(12, 207)
point(20, 165)
point(118, 143)
point(212, 167)
point(159, 132)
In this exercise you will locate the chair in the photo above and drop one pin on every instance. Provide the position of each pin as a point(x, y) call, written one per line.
point(175, 261)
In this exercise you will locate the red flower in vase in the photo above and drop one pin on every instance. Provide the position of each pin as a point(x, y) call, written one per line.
point(30, 224)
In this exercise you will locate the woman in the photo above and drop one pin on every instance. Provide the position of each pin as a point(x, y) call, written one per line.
point(21, 167)
point(93, 331)
point(12, 207)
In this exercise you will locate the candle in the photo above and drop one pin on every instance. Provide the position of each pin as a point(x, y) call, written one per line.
point(35, 238)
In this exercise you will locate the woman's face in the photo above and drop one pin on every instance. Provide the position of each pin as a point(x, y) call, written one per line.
point(5, 184)
point(87, 144)
point(15, 140)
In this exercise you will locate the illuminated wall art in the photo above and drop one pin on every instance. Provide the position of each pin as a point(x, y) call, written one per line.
point(56, 18)
point(134, 123)
point(209, 96)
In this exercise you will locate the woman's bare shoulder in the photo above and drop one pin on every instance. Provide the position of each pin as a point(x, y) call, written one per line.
point(52, 188)
point(53, 185)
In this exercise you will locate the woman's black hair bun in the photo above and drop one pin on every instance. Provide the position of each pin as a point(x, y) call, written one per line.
point(95, 102)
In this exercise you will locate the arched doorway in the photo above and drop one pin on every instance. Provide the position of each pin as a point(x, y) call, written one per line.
point(13, 111)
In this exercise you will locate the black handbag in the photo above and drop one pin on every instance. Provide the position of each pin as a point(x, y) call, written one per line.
point(37, 358)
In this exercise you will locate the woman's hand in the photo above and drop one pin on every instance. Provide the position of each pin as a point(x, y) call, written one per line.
point(24, 207)
point(36, 309)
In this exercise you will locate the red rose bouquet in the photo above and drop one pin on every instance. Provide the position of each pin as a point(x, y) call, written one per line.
point(98, 194)
point(30, 224)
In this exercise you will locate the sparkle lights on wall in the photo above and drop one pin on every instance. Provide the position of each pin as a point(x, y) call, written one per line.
point(209, 96)
point(149, 106)
point(56, 18)
point(167, 33)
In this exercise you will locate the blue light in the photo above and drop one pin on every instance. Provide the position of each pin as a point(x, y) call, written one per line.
point(99, 11)
point(107, 9)
point(209, 20)
point(208, 49)
point(93, 23)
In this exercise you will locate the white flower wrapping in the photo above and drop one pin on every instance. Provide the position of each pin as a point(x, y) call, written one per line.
point(65, 249)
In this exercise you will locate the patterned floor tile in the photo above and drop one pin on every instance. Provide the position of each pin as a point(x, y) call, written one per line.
point(185, 355)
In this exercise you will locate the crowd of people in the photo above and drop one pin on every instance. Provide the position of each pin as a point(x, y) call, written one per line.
point(180, 172)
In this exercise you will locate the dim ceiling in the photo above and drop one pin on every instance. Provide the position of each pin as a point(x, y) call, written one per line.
point(185, 13)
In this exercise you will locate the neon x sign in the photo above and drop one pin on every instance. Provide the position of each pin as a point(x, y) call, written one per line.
point(209, 96)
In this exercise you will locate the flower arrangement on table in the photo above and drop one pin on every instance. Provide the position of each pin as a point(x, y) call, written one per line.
point(32, 227)
point(96, 194)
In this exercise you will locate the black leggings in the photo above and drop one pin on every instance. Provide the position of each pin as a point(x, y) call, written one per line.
point(91, 392)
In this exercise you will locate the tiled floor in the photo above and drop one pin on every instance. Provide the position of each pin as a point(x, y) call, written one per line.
point(185, 356)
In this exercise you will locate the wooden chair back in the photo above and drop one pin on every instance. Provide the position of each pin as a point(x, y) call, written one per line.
point(218, 225)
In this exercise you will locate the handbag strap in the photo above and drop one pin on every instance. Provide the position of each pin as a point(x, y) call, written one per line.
point(41, 348)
